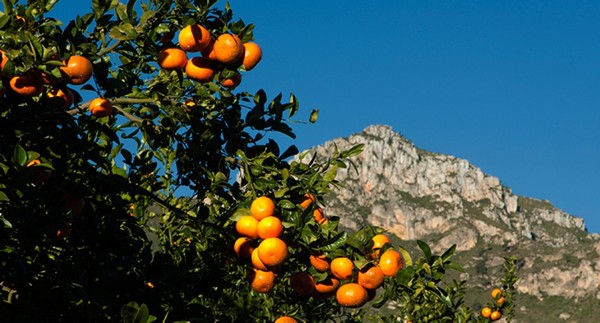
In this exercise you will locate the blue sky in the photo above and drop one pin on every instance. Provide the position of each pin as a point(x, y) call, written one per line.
point(511, 86)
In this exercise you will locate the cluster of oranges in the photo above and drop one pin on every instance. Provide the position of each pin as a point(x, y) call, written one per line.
point(226, 51)
point(260, 242)
point(76, 70)
point(493, 312)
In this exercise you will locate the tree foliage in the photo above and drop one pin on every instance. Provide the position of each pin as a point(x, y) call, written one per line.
point(132, 217)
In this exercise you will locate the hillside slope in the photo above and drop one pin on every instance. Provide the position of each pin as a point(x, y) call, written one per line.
point(444, 200)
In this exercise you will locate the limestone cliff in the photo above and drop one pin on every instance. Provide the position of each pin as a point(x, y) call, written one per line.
point(445, 200)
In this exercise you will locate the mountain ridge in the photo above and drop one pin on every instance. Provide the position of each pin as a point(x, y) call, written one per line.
point(445, 200)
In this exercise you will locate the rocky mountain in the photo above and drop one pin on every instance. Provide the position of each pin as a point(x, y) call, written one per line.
point(445, 200)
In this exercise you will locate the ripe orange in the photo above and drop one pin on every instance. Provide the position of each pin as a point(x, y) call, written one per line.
point(77, 69)
point(341, 267)
point(247, 226)
point(370, 277)
point(243, 247)
point(172, 59)
point(193, 38)
point(380, 240)
point(65, 94)
point(318, 214)
point(286, 319)
point(256, 262)
point(209, 52)
point(72, 204)
point(500, 301)
point(351, 295)
point(41, 174)
point(329, 285)
point(232, 82)
point(307, 200)
point(302, 283)
point(200, 69)
point(4, 60)
point(262, 207)
point(486, 312)
point(28, 84)
point(495, 316)
point(228, 48)
point(101, 107)
point(390, 262)
point(272, 251)
point(319, 262)
point(252, 55)
point(262, 281)
point(496, 293)
point(269, 227)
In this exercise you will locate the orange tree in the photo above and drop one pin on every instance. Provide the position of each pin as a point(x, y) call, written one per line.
point(134, 179)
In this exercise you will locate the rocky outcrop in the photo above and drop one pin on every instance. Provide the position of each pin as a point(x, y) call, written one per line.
point(445, 200)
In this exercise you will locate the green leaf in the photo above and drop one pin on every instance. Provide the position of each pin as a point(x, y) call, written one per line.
point(426, 249)
point(36, 45)
point(336, 242)
point(3, 197)
point(7, 224)
point(405, 256)
point(448, 254)
point(20, 155)
point(286, 204)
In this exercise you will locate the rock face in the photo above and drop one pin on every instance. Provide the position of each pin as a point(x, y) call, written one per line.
point(445, 200)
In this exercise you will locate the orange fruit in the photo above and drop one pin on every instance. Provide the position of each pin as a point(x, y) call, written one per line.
point(228, 48)
point(495, 316)
point(319, 262)
point(65, 94)
point(4, 60)
point(318, 214)
point(302, 283)
point(262, 281)
point(380, 240)
point(77, 69)
point(500, 301)
point(252, 55)
point(232, 82)
point(243, 247)
point(193, 38)
point(272, 251)
point(172, 59)
point(351, 295)
point(28, 84)
point(269, 227)
point(286, 319)
point(486, 312)
point(256, 262)
point(101, 107)
point(496, 293)
point(307, 200)
point(209, 52)
point(72, 204)
point(329, 285)
point(48, 78)
point(247, 226)
point(41, 174)
point(200, 69)
point(262, 207)
point(390, 262)
point(341, 267)
point(370, 277)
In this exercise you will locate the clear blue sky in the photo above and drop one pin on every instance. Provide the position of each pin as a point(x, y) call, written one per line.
point(511, 86)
